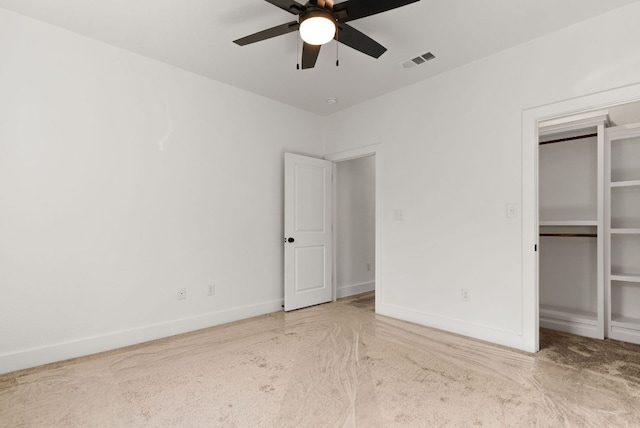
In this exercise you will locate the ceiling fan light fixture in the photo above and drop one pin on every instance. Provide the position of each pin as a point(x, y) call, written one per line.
point(317, 28)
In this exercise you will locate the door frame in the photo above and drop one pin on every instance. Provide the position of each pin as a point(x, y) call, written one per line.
point(360, 152)
point(530, 233)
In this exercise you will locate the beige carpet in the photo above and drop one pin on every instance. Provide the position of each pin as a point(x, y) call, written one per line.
point(337, 364)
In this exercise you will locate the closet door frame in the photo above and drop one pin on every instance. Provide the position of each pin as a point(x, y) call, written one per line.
point(530, 223)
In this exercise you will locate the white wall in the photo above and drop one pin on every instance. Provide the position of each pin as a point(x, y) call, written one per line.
point(452, 160)
point(568, 180)
point(123, 179)
point(355, 223)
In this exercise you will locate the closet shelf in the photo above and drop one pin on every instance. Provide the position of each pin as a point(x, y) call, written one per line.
point(625, 277)
point(569, 223)
point(625, 231)
point(630, 183)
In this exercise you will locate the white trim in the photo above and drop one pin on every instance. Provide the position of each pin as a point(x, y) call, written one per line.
point(372, 150)
point(353, 289)
point(334, 232)
point(513, 339)
point(34, 357)
point(578, 322)
point(573, 327)
point(530, 120)
point(360, 152)
point(601, 267)
point(569, 223)
point(575, 122)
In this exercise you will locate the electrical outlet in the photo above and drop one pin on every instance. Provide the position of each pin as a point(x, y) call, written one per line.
point(182, 293)
point(465, 295)
point(211, 291)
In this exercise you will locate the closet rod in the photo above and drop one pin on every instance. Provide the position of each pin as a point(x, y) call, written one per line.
point(571, 235)
point(562, 140)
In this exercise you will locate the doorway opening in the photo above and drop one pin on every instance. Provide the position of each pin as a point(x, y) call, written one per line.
point(357, 223)
point(354, 224)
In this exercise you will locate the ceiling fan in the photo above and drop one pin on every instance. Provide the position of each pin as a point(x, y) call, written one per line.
point(320, 21)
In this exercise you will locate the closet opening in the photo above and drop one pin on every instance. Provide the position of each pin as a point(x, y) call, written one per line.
point(589, 225)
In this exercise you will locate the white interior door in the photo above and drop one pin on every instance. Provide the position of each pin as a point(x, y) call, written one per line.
point(307, 229)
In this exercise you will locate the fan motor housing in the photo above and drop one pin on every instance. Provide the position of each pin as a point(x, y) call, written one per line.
point(316, 12)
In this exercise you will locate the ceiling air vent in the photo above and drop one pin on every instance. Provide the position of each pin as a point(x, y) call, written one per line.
point(418, 60)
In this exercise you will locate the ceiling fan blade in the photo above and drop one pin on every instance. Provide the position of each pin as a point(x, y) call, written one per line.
point(268, 33)
point(356, 9)
point(288, 5)
point(309, 55)
point(353, 38)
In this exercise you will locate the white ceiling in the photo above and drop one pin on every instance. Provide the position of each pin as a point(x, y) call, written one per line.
point(197, 35)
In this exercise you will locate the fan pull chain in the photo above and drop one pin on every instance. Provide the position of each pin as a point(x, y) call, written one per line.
point(337, 43)
point(297, 49)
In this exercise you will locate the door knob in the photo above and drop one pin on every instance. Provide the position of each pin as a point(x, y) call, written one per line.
point(290, 240)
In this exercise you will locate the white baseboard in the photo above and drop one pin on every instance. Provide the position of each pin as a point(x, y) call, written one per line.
point(350, 290)
point(570, 327)
point(34, 357)
point(512, 339)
